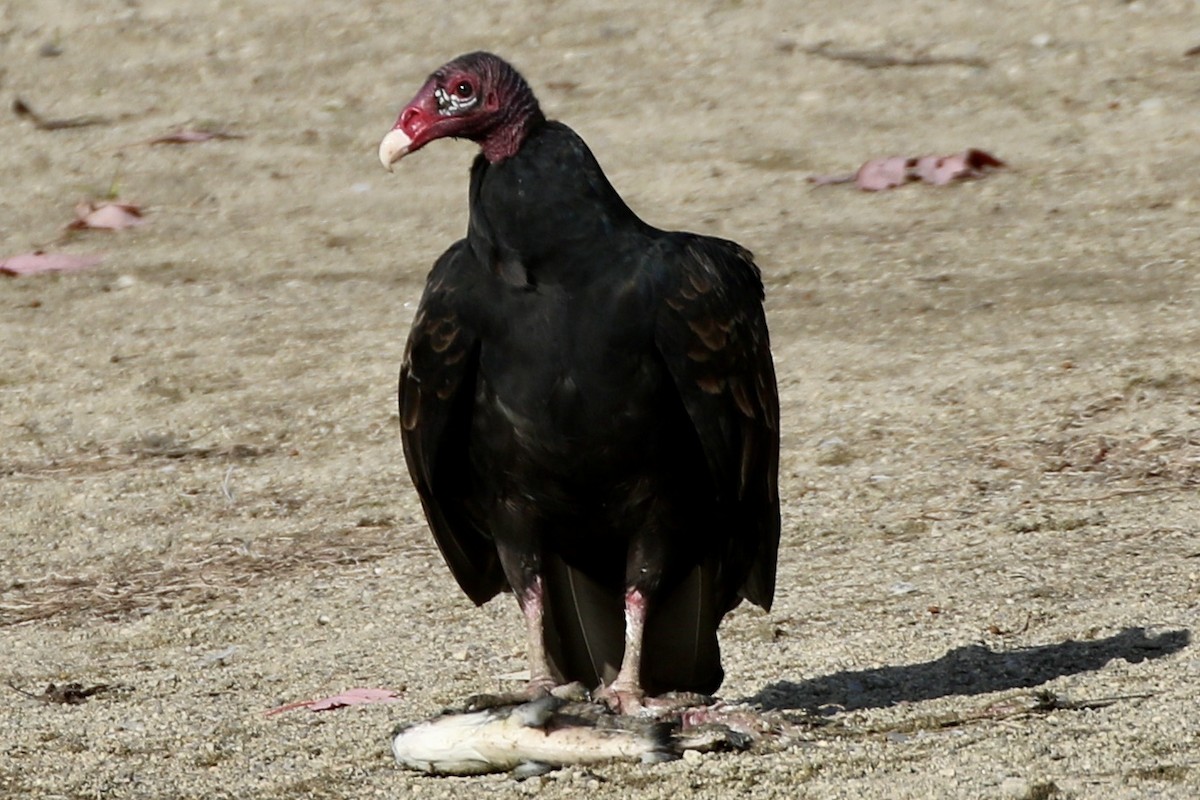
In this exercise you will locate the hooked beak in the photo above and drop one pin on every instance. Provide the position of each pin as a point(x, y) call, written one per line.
point(418, 124)
point(394, 147)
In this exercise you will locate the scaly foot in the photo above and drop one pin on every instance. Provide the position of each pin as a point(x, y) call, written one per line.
point(534, 690)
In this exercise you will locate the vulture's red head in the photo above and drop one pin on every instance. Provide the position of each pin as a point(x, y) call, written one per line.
point(477, 96)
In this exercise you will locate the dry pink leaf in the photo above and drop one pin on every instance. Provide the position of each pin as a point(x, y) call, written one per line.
point(887, 173)
point(350, 697)
point(882, 173)
point(190, 136)
point(40, 261)
point(106, 216)
point(940, 170)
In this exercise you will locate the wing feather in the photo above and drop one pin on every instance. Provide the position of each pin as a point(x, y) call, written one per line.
point(712, 334)
point(437, 387)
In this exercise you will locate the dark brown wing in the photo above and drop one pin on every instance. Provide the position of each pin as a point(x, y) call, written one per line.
point(437, 387)
point(712, 334)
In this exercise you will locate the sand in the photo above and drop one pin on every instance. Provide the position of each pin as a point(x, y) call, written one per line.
point(990, 569)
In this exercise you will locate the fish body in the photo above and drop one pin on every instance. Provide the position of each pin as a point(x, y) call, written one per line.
point(528, 739)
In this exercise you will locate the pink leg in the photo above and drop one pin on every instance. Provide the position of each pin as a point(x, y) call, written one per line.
point(624, 695)
point(541, 679)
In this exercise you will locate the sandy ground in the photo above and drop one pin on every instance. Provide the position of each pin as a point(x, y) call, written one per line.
point(990, 569)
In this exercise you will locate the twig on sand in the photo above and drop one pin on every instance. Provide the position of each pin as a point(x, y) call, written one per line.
point(1040, 702)
point(194, 575)
point(23, 110)
point(1122, 493)
point(71, 694)
point(878, 60)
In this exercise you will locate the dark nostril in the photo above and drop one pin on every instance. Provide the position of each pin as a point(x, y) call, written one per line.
point(408, 115)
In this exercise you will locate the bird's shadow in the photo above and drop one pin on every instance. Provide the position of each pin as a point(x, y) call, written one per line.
point(969, 670)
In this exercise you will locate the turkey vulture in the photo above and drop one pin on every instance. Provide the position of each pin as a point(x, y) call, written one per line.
point(588, 404)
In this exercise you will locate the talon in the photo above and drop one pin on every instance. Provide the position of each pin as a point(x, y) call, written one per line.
point(621, 700)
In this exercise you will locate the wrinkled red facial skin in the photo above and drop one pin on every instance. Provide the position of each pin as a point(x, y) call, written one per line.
point(423, 122)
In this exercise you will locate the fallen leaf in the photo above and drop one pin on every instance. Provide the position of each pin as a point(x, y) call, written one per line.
point(882, 173)
point(350, 697)
point(70, 694)
point(190, 136)
point(106, 216)
point(40, 261)
point(940, 170)
point(23, 110)
point(887, 173)
point(881, 60)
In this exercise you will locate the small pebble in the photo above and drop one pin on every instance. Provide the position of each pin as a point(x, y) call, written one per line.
point(1152, 105)
point(1014, 787)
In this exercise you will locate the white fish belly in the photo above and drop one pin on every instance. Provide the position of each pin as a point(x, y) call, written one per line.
point(498, 741)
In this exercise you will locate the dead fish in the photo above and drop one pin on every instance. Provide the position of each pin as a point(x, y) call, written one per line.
point(529, 739)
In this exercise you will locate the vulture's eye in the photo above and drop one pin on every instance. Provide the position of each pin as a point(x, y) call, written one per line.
point(464, 90)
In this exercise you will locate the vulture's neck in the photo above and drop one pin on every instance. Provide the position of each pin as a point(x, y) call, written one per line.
point(548, 208)
point(522, 118)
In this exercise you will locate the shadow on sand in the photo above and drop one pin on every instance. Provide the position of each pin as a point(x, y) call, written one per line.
point(966, 671)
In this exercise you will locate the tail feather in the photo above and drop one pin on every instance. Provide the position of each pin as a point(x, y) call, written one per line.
point(681, 652)
point(585, 631)
point(584, 625)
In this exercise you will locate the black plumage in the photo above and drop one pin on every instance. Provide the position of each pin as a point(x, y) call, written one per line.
point(588, 404)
